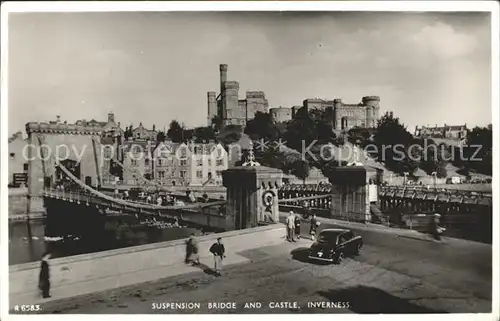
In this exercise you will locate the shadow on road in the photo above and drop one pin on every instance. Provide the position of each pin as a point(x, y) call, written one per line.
point(301, 254)
point(363, 299)
point(205, 269)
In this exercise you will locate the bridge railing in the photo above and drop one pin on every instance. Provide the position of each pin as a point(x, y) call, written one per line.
point(424, 189)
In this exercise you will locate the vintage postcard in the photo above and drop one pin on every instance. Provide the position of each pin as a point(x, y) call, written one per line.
point(250, 158)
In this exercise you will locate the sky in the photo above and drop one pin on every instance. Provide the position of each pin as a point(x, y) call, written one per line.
point(153, 67)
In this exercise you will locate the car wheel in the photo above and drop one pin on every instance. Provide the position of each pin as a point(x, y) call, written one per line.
point(358, 249)
point(340, 257)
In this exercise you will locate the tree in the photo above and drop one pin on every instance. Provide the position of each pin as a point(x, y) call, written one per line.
point(262, 127)
point(216, 122)
point(229, 134)
point(160, 137)
point(301, 131)
point(204, 134)
point(393, 143)
point(433, 158)
point(175, 132)
point(478, 153)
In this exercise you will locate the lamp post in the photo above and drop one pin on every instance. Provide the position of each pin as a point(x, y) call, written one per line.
point(406, 175)
point(434, 175)
point(390, 179)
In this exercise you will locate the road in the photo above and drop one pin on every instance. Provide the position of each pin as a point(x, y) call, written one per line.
point(392, 275)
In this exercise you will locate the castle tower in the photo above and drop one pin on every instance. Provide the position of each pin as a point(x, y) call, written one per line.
point(223, 76)
point(337, 106)
point(212, 106)
point(222, 102)
point(372, 105)
point(230, 109)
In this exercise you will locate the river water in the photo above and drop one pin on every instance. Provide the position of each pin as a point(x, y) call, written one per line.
point(27, 241)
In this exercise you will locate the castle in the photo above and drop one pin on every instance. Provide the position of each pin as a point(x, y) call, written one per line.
point(227, 105)
point(345, 116)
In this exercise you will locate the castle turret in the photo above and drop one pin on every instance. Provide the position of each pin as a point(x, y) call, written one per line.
point(212, 106)
point(230, 109)
point(372, 105)
point(223, 76)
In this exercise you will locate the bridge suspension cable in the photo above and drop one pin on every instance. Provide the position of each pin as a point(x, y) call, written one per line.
point(132, 204)
point(135, 173)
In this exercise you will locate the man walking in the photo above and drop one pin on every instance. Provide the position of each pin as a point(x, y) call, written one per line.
point(44, 278)
point(290, 227)
point(435, 229)
point(314, 226)
point(218, 250)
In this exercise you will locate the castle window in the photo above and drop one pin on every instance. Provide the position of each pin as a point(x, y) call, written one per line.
point(182, 173)
point(12, 155)
point(25, 166)
point(183, 162)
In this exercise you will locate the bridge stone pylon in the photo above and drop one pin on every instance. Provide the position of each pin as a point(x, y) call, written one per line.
point(252, 194)
point(50, 141)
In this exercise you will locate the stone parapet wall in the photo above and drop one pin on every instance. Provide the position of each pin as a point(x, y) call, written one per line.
point(23, 278)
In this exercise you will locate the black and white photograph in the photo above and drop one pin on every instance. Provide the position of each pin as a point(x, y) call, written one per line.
point(250, 158)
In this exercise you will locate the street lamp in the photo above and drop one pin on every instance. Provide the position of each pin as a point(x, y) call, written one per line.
point(390, 179)
point(434, 174)
point(406, 175)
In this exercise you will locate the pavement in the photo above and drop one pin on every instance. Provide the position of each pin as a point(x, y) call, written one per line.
point(368, 228)
point(393, 274)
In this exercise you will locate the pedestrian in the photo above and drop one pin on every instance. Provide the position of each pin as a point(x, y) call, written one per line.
point(218, 250)
point(192, 255)
point(290, 227)
point(297, 225)
point(435, 229)
point(314, 226)
point(44, 278)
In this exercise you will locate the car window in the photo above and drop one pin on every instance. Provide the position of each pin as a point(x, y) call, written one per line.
point(349, 235)
point(342, 238)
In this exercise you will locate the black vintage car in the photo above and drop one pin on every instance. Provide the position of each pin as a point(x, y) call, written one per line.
point(333, 245)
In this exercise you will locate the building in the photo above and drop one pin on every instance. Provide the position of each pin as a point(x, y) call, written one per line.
point(227, 105)
point(346, 116)
point(18, 161)
point(189, 164)
point(281, 114)
point(449, 132)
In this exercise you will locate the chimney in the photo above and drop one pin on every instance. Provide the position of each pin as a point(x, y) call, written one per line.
point(111, 117)
point(154, 127)
point(58, 119)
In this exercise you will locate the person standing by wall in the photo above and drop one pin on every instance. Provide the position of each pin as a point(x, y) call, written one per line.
point(290, 227)
point(44, 278)
point(218, 250)
point(297, 222)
